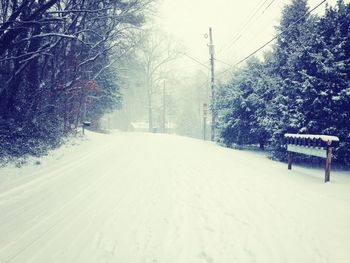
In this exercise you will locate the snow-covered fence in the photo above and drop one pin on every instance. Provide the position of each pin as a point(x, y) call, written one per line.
point(314, 145)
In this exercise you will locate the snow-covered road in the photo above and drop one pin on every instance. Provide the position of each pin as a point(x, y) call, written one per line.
point(133, 197)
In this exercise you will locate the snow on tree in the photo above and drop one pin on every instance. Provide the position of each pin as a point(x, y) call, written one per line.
point(302, 86)
point(56, 67)
point(246, 97)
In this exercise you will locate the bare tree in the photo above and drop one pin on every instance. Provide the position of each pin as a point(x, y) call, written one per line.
point(154, 53)
point(55, 59)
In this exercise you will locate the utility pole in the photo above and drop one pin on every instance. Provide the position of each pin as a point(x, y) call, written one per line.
point(150, 117)
point(212, 83)
point(164, 110)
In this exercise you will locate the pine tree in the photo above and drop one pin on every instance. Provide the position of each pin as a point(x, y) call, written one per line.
point(242, 106)
point(327, 107)
point(303, 86)
point(291, 55)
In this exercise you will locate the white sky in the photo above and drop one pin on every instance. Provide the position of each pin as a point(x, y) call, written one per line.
point(188, 21)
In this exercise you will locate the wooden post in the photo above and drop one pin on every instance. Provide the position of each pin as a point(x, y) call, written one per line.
point(290, 160)
point(328, 165)
point(204, 128)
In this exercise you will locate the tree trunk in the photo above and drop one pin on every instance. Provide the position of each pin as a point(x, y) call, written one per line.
point(262, 145)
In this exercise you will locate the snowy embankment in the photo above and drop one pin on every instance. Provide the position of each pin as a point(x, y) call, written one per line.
point(133, 197)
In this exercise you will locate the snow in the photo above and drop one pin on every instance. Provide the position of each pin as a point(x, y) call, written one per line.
point(140, 125)
point(313, 136)
point(336, 98)
point(137, 197)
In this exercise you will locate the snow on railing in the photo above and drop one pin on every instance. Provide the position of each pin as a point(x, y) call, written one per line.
point(312, 140)
point(314, 145)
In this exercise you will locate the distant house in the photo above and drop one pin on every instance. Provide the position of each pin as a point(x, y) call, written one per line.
point(139, 126)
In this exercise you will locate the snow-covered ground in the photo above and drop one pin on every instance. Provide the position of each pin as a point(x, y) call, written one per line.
point(134, 197)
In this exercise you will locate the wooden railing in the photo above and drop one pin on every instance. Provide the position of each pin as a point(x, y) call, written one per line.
point(314, 145)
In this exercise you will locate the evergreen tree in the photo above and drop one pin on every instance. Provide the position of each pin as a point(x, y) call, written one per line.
point(327, 106)
point(291, 56)
point(303, 86)
point(242, 110)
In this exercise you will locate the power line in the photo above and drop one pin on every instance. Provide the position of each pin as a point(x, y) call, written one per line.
point(223, 62)
point(196, 60)
point(268, 6)
point(179, 67)
point(244, 28)
point(274, 38)
point(250, 19)
point(238, 35)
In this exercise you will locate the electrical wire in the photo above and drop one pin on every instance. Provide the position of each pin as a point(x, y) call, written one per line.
point(246, 24)
point(268, 6)
point(223, 62)
point(274, 38)
point(195, 59)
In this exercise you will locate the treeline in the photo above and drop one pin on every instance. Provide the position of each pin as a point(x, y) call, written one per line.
point(56, 66)
point(301, 86)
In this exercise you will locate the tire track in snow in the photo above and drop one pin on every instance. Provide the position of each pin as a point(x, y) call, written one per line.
point(42, 228)
point(90, 212)
point(169, 205)
point(35, 228)
point(42, 203)
point(57, 176)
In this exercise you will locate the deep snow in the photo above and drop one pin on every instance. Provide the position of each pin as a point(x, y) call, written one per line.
point(137, 197)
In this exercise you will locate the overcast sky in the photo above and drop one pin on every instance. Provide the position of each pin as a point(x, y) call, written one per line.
point(188, 22)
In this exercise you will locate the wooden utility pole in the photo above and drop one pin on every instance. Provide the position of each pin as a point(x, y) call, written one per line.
point(212, 84)
point(150, 116)
point(164, 110)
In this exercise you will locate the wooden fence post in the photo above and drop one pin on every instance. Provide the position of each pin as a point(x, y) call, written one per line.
point(328, 165)
point(290, 160)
